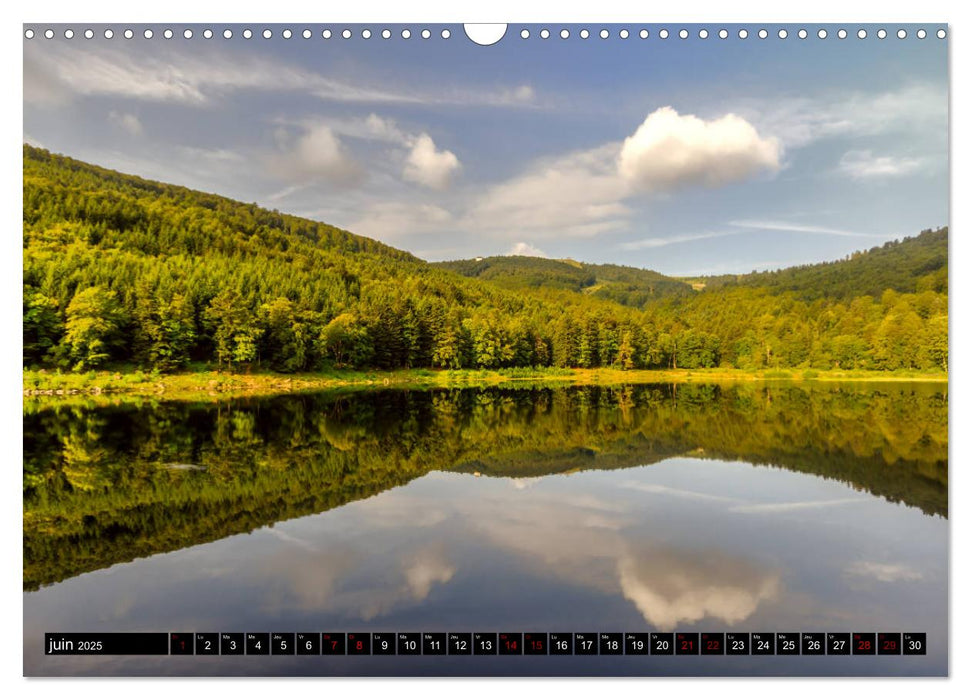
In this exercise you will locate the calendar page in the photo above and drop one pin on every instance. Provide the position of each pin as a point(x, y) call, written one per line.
point(485, 350)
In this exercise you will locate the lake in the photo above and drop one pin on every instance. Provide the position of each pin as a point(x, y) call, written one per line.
point(816, 507)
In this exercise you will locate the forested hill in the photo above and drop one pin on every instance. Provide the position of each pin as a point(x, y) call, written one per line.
point(122, 272)
point(913, 264)
point(119, 270)
point(910, 265)
point(629, 286)
point(124, 211)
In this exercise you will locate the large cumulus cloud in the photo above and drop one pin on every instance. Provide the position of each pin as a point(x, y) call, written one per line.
point(670, 151)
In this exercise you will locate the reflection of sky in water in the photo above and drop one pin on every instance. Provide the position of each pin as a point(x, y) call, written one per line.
point(686, 544)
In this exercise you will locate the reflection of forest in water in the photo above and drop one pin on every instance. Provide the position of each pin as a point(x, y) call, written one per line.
point(106, 484)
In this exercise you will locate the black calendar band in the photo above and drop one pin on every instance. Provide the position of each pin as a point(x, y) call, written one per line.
point(487, 643)
point(106, 643)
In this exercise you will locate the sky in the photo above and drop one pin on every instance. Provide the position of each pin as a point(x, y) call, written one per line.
point(687, 156)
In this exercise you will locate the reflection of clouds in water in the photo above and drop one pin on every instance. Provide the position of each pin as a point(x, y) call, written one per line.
point(420, 572)
point(595, 543)
point(887, 573)
point(671, 588)
point(578, 537)
point(282, 534)
point(329, 580)
point(794, 506)
point(588, 501)
point(311, 579)
point(123, 606)
point(678, 493)
point(572, 536)
point(604, 522)
point(427, 569)
point(741, 505)
point(523, 482)
point(395, 509)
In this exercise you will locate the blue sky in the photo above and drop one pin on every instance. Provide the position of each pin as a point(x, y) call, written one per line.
point(685, 156)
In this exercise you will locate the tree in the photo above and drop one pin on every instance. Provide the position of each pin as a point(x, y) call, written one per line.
point(491, 344)
point(608, 343)
point(449, 343)
point(587, 355)
point(285, 340)
point(667, 350)
point(92, 329)
point(42, 326)
point(167, 330)
point(936, 342)
point(895, 345)
point(234, 329)
point(697, 349)
point(626, 350)
point(345, 342)
point(541, 351)
point(565, 342)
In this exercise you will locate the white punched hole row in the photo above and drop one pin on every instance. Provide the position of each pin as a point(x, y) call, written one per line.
point(446, 33)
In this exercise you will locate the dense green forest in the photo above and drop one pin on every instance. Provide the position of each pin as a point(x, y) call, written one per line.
point(121, 271)
point(106, 484)
point(910, 266)
point(629, 286)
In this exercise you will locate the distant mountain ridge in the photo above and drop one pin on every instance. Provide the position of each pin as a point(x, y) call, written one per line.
point(630, 286)
point(913, 264)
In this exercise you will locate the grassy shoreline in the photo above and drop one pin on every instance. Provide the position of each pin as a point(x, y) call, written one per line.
point(203, 384)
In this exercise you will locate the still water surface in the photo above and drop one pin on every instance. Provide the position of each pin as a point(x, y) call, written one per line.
point(645, 508)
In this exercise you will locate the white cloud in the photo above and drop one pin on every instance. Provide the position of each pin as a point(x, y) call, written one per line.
point(863, 165)
point(213, 155)
point(523, 248)
point(670, 151)
point(54, 74)
point(521, 94)
point(579, 194)
point(128, 122)
point(585, 193)
point(388, 220)
point(418, 160)
point(799, 121)
point(42, 85)
point(672, 240)
point(373, 127)
point(316, 154)
point(285, 193)
point(181, 77)
point(429, 166)
point(384, 129)
point(887, 573)
point(800, 228)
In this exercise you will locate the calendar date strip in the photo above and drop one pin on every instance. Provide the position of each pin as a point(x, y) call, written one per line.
point(487, 643)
